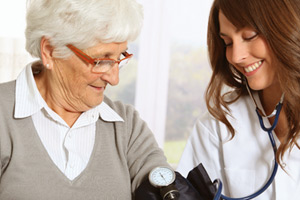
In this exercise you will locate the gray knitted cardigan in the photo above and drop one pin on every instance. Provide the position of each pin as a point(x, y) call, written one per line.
point(123, 155)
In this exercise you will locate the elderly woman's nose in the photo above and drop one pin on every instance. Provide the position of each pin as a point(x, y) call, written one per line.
point(111, 76)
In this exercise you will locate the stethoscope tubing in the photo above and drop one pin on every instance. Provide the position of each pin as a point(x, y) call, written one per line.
point(218, 182)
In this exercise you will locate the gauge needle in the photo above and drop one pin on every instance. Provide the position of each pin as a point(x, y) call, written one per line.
point(163, 177)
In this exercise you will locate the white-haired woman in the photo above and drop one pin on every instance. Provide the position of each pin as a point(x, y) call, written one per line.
point(60, 137)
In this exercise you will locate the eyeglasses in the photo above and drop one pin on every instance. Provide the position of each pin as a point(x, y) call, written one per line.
point(100, 65)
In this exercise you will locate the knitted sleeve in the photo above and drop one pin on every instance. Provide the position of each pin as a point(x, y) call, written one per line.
point(6, 118)
point(143, 153)
point(141, 149)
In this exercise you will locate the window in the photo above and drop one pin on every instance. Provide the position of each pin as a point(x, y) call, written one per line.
point(168, 90)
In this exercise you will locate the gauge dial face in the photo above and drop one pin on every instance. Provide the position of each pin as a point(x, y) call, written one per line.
point(161, 176)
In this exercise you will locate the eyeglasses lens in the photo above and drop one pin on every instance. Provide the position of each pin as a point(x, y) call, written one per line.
point(123, 63)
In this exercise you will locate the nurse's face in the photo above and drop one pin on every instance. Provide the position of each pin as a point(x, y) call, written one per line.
point(249, 53)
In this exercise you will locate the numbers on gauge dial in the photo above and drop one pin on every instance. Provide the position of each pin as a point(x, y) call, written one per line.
point(162, 176)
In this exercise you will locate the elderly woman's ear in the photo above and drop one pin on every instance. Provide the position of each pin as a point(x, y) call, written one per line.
point(46, 53)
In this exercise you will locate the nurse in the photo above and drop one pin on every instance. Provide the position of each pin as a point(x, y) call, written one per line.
point(254, 42)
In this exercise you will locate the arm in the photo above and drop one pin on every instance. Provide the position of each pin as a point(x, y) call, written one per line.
point(204, 146)
point(193, 188)
point(143, 153)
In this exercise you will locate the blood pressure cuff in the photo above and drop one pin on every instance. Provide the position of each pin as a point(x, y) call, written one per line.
point(197, 186)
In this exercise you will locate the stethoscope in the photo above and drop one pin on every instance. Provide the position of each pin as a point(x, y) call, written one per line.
point(260, 115)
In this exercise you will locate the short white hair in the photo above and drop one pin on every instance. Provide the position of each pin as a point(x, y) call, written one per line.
point(82, 23)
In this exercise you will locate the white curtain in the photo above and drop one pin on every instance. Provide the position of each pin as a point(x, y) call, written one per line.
point(13, 56)
point(153, 67)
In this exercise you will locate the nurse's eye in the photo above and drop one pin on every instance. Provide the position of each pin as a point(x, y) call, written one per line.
point(227, 42)
point(250, 35)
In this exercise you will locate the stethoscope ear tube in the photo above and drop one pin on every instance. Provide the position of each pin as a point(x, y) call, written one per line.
point(278, 109)
point(218, 182)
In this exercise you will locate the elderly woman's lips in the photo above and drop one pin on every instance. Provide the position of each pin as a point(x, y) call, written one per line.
point(98, 88)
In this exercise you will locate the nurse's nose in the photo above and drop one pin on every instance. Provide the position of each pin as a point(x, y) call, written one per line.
point(240, 52)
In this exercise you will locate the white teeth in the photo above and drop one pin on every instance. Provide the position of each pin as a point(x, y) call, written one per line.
point(253, 67)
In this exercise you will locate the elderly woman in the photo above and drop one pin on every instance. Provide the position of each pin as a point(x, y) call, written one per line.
point(60, 137)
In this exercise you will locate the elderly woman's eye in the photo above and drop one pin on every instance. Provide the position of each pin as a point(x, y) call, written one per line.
point(103, 62)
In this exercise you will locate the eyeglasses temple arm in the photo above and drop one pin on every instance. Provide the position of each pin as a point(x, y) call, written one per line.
point(81, 54)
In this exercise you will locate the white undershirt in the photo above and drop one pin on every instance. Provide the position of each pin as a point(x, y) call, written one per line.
point(69, 148)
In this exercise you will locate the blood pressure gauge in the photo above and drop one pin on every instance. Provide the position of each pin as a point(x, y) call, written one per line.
point(161, 176)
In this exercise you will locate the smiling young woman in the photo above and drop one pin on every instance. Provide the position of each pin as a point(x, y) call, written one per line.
point(252, 43)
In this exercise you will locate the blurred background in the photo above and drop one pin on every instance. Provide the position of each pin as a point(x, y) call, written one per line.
point(165, 80)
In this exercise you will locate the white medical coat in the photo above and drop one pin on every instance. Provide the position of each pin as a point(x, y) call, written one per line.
point(245, 163)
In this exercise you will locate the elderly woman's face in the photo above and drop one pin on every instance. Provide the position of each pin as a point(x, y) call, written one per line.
point(80, 88)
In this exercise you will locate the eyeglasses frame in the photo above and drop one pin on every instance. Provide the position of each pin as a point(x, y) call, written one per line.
point(95, 61)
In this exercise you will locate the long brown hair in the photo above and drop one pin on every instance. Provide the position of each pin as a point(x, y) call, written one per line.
point(278, 21)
